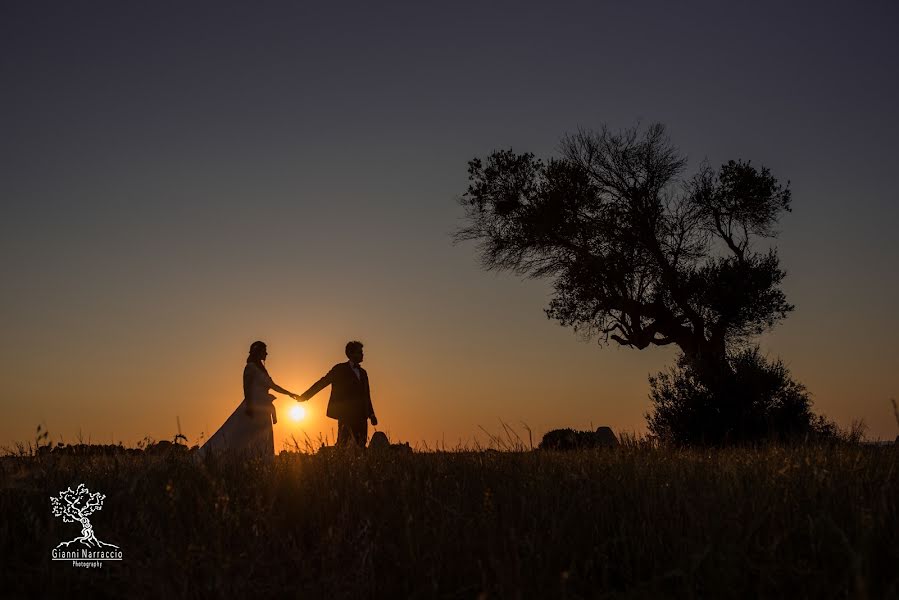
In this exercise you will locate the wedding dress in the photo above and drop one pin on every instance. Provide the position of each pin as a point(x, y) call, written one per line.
point(243, 433)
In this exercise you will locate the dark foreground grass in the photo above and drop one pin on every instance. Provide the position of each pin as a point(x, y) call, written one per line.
point(818, 522)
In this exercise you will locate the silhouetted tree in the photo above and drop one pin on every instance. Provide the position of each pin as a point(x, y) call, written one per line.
point(636, 253)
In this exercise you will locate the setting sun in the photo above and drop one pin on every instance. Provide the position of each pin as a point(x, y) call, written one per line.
point(297, 413)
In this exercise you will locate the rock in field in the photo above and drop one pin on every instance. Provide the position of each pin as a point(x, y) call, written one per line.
point(569, 439)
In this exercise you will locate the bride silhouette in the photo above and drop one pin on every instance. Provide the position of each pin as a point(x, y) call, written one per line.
point(249, 428)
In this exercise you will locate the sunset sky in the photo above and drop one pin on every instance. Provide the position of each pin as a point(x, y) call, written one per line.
point(181, 179)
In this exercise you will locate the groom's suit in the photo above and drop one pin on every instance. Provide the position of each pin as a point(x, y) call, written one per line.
point(350, 401)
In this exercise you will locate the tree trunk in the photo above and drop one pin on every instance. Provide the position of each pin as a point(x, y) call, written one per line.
point(709, 364)
point(87, 533)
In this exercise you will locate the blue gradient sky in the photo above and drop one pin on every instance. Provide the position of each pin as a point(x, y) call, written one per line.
point(179, 181)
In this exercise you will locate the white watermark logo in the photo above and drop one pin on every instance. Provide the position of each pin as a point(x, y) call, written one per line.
point(75, 506)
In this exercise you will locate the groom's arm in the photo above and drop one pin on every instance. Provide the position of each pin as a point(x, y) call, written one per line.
point(318, 386)
point(371, 409)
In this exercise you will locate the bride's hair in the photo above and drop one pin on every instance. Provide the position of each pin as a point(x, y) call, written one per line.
point(255, 356)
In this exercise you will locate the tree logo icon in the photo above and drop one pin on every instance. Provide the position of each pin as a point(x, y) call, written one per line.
point(76, 506)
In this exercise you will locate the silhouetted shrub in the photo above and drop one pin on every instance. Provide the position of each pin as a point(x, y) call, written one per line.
point(162, 447)
point(569, 439)
point(756, 400)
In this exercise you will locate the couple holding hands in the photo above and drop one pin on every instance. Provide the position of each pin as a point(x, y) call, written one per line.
point(249, 428)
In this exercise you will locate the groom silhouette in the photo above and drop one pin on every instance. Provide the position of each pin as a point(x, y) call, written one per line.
point(350, 401)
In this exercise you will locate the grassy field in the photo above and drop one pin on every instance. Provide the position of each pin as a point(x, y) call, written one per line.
point(637, 521)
